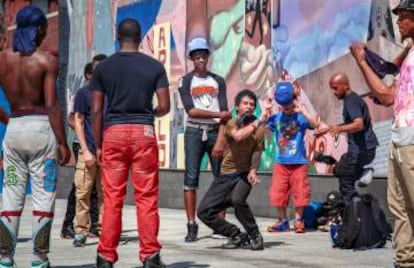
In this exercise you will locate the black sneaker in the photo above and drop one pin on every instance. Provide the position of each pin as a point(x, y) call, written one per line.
point(154, 261)
point(192, 230)
point(67, 232)
point(256, 242)
point(102, 263)
point(94, 231)
point(326, 159)
point(79, 240)
point(240, 240)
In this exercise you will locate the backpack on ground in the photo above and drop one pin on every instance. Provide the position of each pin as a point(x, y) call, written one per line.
point(363, 225)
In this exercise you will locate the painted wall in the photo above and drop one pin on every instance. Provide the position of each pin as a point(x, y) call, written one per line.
point(254, 44)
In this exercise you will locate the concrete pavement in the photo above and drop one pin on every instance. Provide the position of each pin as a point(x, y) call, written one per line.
point(312, 249)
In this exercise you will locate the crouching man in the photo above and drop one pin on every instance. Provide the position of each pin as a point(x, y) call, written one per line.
point(243, 139)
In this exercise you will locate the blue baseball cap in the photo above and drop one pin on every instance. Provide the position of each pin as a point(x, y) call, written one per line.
point(284, 93)
point(198, 43)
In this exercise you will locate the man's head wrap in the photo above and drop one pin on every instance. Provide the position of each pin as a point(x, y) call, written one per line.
point(27, 21)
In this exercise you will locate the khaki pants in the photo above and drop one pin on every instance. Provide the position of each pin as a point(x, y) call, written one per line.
point(401, 202)
point(84, 180)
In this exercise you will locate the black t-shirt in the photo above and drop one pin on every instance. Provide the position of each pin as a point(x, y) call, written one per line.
point(355, 107)
point(129, 81)
point(83, 105)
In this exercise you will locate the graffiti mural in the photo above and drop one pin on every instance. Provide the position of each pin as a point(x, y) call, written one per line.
point(254, 44)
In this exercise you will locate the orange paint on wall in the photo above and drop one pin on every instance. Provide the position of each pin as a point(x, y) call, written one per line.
point(89, 25)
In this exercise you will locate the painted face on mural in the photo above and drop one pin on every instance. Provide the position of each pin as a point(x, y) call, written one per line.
point(200, 60)
point(246, 105)
point(405, 24)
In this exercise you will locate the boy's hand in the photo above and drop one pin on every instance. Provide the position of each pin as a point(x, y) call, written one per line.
point(89, 159)
point(252, 177)
point(218, 150)
point(298, 106)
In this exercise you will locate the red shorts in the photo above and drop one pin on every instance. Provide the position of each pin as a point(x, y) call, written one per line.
point(289, 179)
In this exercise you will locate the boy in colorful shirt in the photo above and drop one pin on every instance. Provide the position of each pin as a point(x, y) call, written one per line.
point(290, 169)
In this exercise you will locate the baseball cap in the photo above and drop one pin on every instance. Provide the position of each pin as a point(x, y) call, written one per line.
point(284, 93)
point(198, 43)
point(380, 66)
point(404, 5)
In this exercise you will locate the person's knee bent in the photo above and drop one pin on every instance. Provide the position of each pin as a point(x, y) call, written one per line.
point(238, 202)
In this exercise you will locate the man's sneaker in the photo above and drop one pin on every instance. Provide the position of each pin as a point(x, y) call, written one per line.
point(279, 226)
point(240, 240)
point(41, 264)
point(154, 261)
point(257, 242)
point(79, 240)
point(215, 235)
point(5, 264)
point(366, 177)
point(102, 263)
point(67, 232)
point(94, 231)
point(192, 230)
point(299, 226)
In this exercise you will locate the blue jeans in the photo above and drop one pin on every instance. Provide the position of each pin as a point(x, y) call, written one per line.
point(195, 148)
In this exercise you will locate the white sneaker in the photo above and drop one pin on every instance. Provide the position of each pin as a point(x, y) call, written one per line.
point(367, 176)
point(217, 236)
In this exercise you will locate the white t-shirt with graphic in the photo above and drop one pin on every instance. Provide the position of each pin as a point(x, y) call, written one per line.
point(204, 92)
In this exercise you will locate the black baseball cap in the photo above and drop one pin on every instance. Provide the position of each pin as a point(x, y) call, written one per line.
point(380, 66)
point(404, 5)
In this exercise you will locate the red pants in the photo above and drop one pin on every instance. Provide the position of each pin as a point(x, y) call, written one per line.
point(129, 147)
point(291, 179)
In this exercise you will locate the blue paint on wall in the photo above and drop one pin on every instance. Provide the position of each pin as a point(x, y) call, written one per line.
point(145, 11)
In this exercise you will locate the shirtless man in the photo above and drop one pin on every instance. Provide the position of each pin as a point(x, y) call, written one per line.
point(34, 136)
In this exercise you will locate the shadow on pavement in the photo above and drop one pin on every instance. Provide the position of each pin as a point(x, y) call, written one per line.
point(77, 266)
point(125, 239)
point(185, 264)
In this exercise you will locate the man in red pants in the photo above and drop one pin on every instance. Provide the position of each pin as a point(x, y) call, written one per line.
point(128, 79)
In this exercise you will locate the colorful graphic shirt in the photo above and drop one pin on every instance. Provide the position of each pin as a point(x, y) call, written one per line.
point(289, 131)
point(205, 93)
point(403, 125)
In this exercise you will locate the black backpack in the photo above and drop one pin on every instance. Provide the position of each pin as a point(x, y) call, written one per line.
point(364, 225)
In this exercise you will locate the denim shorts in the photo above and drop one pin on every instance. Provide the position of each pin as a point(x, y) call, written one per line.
point(195, 149)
